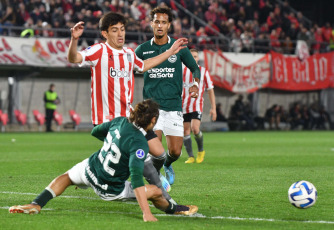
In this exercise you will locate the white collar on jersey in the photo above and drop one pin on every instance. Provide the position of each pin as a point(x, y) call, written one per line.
point(152, 40)
point(115, 50)
point(140, 129)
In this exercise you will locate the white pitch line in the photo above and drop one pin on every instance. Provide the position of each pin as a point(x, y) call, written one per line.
point(197, 215)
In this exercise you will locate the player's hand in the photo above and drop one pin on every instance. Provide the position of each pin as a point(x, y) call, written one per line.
point(77, 30)
point(179, 44)
point(149, 218)
point(213, 114)
point(193, 91)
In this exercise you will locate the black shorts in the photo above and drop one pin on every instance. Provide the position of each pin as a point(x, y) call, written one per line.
point(187, 117)
point(150, 135)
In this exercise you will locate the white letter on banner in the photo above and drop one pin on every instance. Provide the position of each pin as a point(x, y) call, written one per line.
point(323, 63)
point(278, 69)
point(296, 71)
point(315, 69)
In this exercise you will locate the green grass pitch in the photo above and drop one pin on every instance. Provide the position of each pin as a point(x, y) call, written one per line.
point(242, 183)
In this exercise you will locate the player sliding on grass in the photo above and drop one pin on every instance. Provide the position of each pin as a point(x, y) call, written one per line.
point(106, 171)
point(164, 84)
point(112, 87)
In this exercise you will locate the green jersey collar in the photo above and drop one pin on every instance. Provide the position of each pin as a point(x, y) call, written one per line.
point(152, 40)
point(140, 128)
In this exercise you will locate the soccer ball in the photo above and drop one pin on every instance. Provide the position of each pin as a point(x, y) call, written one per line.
point(302, 194)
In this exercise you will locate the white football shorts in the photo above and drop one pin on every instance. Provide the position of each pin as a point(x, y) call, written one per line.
point(78, 178)
point(170, 123)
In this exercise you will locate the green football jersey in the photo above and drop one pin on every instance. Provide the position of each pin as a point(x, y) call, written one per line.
point(164, 83)
point(125, 148)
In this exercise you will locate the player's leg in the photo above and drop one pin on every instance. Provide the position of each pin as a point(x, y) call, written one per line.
point(76, 175)
point(195, 127)
point(153, 178)
point(154, 194)
point(174, 144)
point(154, 163)
point(157, 151)
point(187, 140)
point(173, 130)
point(55, 188)
point(48, 119)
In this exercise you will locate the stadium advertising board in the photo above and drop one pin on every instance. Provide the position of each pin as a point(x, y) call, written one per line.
point(44, 52)
point(235, 77)
point(290, 73)
point(286, 72)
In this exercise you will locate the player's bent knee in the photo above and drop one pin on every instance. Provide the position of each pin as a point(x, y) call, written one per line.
point(153, 192)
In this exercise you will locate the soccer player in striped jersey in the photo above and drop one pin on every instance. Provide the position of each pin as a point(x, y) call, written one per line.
point(107, 170)
point(112, 83)
point(193, 108)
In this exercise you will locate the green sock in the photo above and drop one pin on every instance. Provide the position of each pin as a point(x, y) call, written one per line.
point(171, 208)
point(44, 197)
point(169, 160)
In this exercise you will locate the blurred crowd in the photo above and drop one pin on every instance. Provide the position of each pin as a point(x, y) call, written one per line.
point(276, 117)
point(251, 25)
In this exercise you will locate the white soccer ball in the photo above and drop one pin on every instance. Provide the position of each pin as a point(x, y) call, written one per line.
point(302, 194)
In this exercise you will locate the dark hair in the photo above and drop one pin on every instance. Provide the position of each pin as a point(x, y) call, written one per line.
point(194, 50)
point(162, 10)
point(111, 19)
point(144, 112)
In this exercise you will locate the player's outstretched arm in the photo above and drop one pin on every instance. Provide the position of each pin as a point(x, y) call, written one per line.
point(213, 112)
point(142, 201)
point(178, 45)
point(73, 56)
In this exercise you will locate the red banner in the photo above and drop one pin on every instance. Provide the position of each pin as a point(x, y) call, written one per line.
point(315, 72)
point(235, 77)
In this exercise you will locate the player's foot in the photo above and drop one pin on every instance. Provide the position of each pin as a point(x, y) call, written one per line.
point(170, 174)
point(27, 209)
point(190, 160)
point(200, 157)
point(165, 183)
point(186, 210)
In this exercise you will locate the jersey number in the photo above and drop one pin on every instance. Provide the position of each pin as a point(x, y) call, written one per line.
point(113, 154)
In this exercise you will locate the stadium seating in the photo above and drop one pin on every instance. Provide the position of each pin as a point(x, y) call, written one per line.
point(20, 117)
point(75, 118)
point(39, 118)
point(3, 120)
point(58, 118)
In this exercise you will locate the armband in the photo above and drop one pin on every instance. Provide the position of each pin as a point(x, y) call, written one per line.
point(195, 83)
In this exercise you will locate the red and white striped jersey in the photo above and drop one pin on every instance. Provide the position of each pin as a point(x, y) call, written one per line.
point(189, 104)
point(112, 80)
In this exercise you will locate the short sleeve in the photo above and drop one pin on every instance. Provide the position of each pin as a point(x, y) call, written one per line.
point(208, 80)
point(91, 55)
point(138, 63)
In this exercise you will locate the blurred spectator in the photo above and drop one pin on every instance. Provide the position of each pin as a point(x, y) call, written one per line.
point(22, 15)
point(219, 112)
point(274, 42)
point(287, 45)
point(261, 44)
point(258, 17)
point(318, 40)
point(325, 117)
point(241, 112)
point(236, 43)
point(273, 117)
point(202, 37)
point(211, 14)
point(296, 116)
point(247, 41)
point(209, 31)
